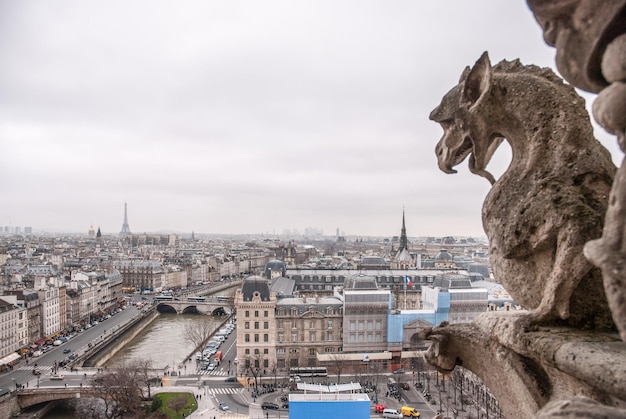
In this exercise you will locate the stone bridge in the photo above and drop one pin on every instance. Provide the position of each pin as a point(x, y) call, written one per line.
point(210, 307)
point(33, 396)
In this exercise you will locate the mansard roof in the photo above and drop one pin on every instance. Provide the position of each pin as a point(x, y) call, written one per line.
point(254, 284)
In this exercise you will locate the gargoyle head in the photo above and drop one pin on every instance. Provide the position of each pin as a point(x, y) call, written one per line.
point(465, 132)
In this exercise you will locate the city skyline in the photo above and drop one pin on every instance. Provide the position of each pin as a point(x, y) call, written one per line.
point(247, 117)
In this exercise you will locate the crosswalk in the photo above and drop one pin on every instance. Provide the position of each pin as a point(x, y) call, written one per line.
point(223, 390)
point(220, 373)
point(32, 367)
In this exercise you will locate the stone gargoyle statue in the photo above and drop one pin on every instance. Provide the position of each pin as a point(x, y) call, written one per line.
point(552, 198)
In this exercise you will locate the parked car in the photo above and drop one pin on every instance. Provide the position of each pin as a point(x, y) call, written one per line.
point(399, 371)
point(57, 377)
point(269, 406)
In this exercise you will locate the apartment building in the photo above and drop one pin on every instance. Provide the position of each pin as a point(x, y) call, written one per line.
point(8, 328)
point(306, 327)
point(256, 327)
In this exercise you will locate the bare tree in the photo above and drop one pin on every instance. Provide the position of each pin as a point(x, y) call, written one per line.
point(199, 331)
point(120, 389)
point(144, 370)
point(337, 361)
point(177, 403)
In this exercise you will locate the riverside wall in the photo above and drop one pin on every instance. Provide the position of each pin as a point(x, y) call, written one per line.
point(114, 343)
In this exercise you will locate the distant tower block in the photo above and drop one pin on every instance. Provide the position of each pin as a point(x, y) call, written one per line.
point(125, 228)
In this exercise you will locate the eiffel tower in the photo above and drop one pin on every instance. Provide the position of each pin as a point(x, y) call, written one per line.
point(125, 228)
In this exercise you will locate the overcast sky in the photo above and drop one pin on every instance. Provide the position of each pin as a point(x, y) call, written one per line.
point(244, 116)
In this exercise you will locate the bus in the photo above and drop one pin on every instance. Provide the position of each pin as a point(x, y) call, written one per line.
point(308, 372)
point(218, 356)
point(159, 298)
point(196, 299)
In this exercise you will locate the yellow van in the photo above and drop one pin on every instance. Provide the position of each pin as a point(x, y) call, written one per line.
point(409, 411)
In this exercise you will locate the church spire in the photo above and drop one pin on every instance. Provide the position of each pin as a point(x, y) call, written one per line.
point(404, 244)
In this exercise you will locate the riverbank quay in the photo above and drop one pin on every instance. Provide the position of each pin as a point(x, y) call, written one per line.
point(106, 345)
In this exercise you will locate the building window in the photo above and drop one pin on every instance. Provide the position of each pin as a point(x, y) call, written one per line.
point(352, 325)
point(280, 351)
point(256, 313)
point(266, 363)
point(266, 351)
point(379, 325)
point(311, 351)
point(266, 325)
point(247, 313)
point(280, 324)
point(369, 337)
point(256, 337)
point(370, 325)
point(361, 338)
point(280, 363)
point(329, 350)
point(256, 325)
point(246, 337)
point(361, 326)
point(266, 337)
point(265, 313)
point(352, 338)
point(312, 337)
point(256, 352)
point(294, 337)
point(280, 337)
point(246, 325)
point(330, 324)
point(329, 336)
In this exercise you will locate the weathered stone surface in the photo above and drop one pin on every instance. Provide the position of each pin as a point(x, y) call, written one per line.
point(552, 198)
point(538, 367)
point(579, 407)
point(589, 40)
point(537, 222)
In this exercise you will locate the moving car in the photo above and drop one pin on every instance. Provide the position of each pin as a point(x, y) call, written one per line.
point(67, 351)
point(36, 372)
point(223, 406)
point(269, 406)
point(231, 380)
point(409, 411)
point(57, 377)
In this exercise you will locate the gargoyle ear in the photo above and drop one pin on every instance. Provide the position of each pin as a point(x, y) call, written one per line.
point(478, 80)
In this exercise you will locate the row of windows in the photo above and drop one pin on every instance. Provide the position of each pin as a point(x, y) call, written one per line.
point(266, 325)
point(382, 278)
point(312, 335)
point(362, 324)
point(365, 337)
point(296, 312)
point(256, 313)
point(311, 324)
point(266, 337)
point(312, 351)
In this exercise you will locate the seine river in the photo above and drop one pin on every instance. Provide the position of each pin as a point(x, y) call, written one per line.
point(163, 342)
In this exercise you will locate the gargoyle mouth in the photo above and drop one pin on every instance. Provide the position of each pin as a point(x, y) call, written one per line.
point(463, 151)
